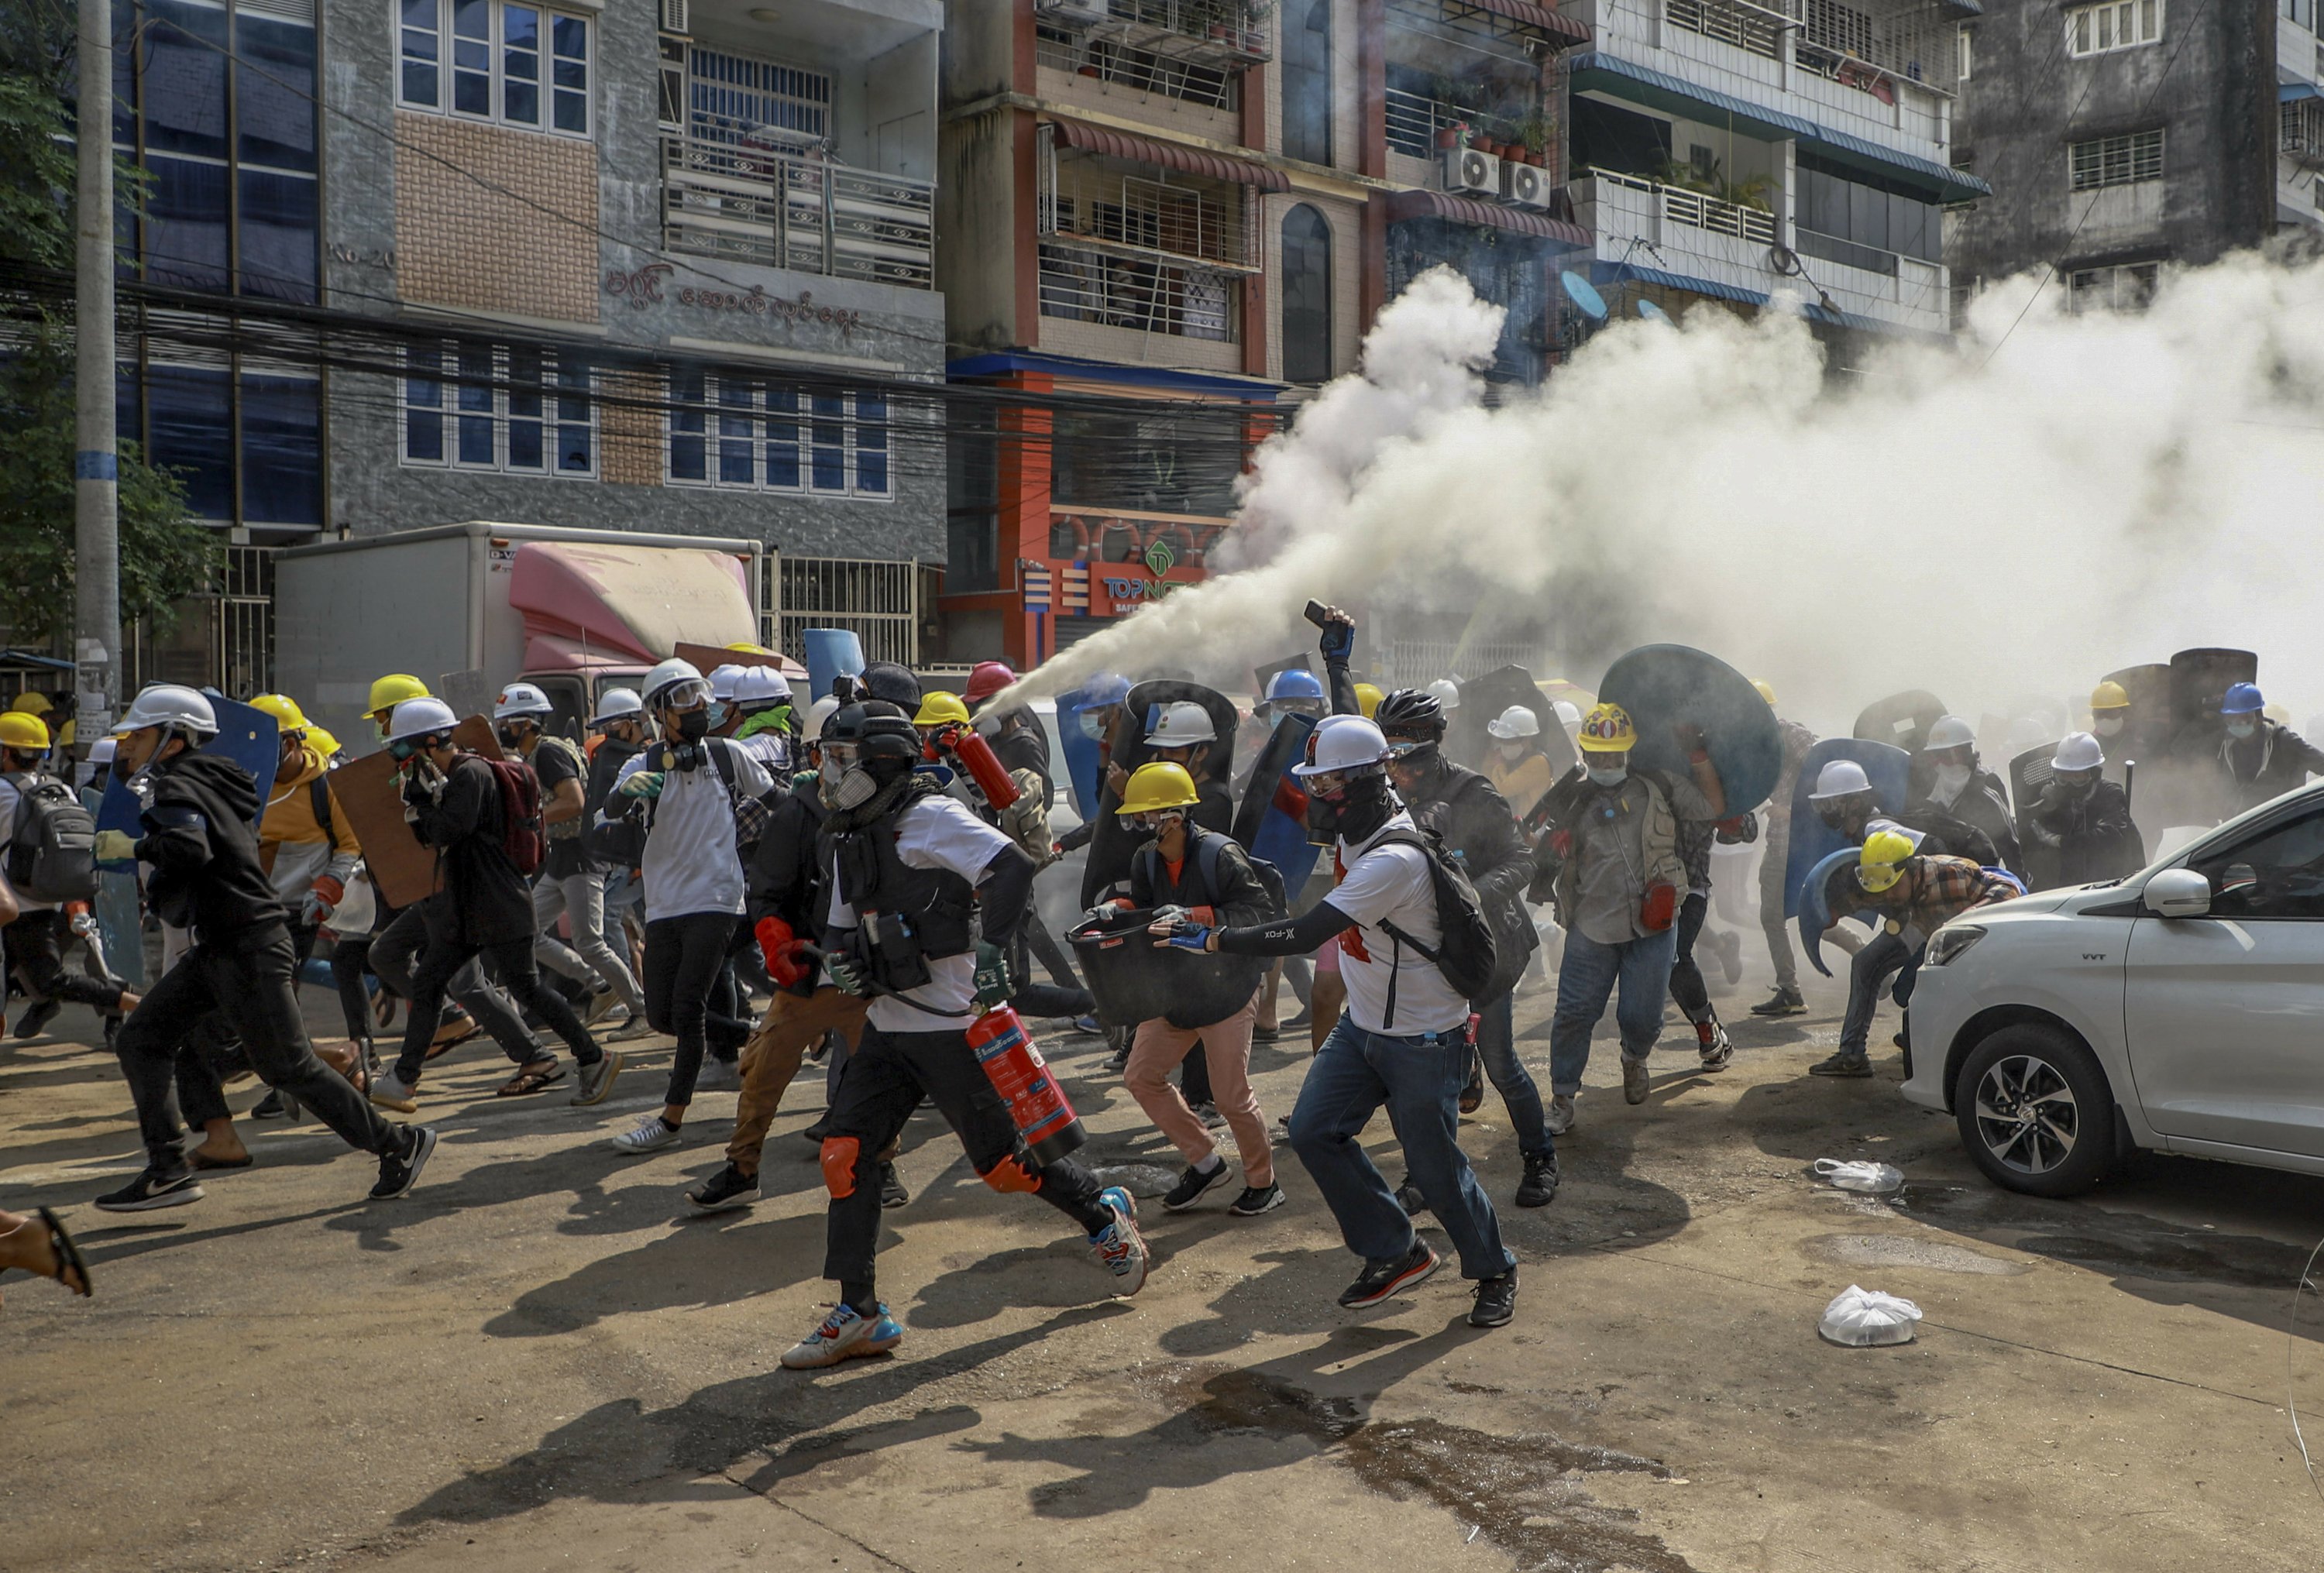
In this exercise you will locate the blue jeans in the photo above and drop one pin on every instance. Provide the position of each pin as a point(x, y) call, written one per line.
point(1419, 1080)
point(1867, 972)
point(1586, 976)
point(1497, 1046)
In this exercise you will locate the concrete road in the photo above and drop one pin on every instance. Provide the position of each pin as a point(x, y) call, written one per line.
point(537, 1361)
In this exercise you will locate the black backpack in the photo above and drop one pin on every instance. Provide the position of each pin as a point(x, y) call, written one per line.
point(1209, 848)
point(52, 845)
point(1468, 955)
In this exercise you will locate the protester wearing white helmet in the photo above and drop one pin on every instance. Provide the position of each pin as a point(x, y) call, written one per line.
point(2082, 820)
point(723, 678)
point(1955, 781)
point(1403, 1041)
point(685, 791)
point(1448, 695)
point(619, 719)
point(760, 719)
point(1517, 769)
point(571, 881)
point(196, 811)
point(1184, 735)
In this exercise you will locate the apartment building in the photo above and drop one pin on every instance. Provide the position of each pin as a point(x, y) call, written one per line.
point(2123, 137)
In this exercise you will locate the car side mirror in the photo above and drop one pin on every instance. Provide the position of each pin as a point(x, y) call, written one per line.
point(2178, 893)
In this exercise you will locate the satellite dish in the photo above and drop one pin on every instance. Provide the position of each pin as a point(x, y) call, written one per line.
point(1578, 289)
point(1654, 313)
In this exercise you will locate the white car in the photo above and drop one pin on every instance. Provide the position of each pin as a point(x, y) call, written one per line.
point(2180, 1010)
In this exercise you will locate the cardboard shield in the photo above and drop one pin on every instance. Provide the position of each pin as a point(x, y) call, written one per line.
point(1815, 908)
point(1886, 768)
point(402, 869)
point(1662, 685)
point(1110, 842)
point(1271, 820)
point(1482, 701)
point(248, 737)
point(1901, 719)
point(706, 657)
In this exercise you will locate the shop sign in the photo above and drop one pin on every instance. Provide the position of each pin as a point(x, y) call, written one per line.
point(644, 286)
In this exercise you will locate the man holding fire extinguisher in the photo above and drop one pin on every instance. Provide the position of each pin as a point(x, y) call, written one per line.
point(912, 872)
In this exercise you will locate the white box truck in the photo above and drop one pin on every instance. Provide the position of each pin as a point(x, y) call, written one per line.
point(576, 611)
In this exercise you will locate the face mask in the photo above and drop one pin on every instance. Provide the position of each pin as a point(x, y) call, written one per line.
point(2240, 730)
point(1951, 779)
point(2106, 726)
point(401, 749)
point(718, 712)
point(1608, 775)
point(1092, 725)
point(694, 726)
point(1513, 752)
point(509, 736)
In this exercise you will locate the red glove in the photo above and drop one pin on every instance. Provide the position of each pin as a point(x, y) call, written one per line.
point(76, 909)
point(1561, 842)
point(331, 890)
point(1123, 904)
point(781, 950)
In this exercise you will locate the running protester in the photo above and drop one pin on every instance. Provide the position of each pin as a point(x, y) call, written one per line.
point(1402, 1042)
point(910, 870)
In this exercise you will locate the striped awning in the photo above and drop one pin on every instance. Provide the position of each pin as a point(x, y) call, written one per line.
point(1404, 205)
point(1526, 13)
point(1083, 137)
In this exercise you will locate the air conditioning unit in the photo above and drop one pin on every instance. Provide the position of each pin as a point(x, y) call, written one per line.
point(673, 17)
point(1467, 169)
point(1073, 13)
point(1525, 185)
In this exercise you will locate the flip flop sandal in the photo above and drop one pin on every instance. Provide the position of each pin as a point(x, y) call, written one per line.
point(201, 1162)
point(67, 1255)
point(533, 1077)
point(443, 1046)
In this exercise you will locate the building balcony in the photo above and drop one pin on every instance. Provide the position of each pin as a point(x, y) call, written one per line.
point(753, 198)
point(1212, 35)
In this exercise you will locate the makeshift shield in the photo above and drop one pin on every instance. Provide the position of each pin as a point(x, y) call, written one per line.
point(1133, 980)
point(1812, 841)
point(366, 792)
point(830, 653)
point(1663, 685)
point(1271, 820)
point(1082, 753)
point(1483, 699)
point(2200, 679)
point(2029, 773)
point(248, 737)
point(1815, 903)
point(1902, 721)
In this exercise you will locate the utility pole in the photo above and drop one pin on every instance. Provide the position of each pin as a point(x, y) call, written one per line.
point(97, 502)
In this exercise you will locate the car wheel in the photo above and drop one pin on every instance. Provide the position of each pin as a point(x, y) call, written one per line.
point(2035, 1112)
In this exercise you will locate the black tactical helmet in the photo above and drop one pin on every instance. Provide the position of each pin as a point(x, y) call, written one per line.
point(1411, 711)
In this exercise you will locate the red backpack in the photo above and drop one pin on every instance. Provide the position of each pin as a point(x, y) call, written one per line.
point(523, 835)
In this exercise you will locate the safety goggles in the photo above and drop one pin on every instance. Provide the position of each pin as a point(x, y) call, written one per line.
point(843, 754)
point(689, 693)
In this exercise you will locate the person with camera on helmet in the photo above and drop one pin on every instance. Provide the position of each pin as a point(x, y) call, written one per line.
point(1186, 865)
point(571, 882)
point(923, 901)
point(1402, 1042)
point(686, 789)
point(481, 910)
point(196, 810)
point(1477, 824)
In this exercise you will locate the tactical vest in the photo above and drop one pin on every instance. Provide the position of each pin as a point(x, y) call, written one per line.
point(939, 906)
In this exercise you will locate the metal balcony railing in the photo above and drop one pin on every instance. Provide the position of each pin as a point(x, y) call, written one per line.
point(1116, 290)
point(1136, 70)
point(1693, 208)
point(1224, 34)
point(1871, 49)
point(1413, 123)
point(804, 211)
point(1749, 28)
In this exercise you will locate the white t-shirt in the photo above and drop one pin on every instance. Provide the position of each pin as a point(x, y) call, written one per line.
point(771, 749)
point(935, 832)
point(691, 863)
point(1392, 884)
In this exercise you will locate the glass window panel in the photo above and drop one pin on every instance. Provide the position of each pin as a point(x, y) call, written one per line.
point(573, 434)
point(737, 463)
point(193, 434)
point(782, 439)
point(274, 86)
point(871, 444)
point(423, 397)
point(687, 455)
point(281, 451)
point(569, 41)
point(828, 430)
point(525, 444)
point(521, 65)
point(185, 79)
point(281, 239)
point(185, 224)
point(471, 57)
point(476, 404)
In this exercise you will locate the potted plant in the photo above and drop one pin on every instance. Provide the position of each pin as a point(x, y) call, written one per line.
point(1449, 137)
point(1532, 134)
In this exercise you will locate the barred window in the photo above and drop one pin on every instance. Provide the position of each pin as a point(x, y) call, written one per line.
point(2116, 160)
point(2126, 288)
point(513, 408)
point(2117, 24)
point(749, 434)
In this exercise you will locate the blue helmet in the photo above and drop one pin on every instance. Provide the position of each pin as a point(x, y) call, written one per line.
point(1102, 689)
point(1293, 683)
point(2243, 699)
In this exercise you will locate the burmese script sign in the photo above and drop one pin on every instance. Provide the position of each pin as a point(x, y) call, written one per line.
point(648, 286)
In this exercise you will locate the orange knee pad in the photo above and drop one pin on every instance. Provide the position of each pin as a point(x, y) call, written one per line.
point(1014, 1176)
point(839, 1154)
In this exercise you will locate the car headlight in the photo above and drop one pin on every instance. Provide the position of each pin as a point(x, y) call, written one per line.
point(1951, 942)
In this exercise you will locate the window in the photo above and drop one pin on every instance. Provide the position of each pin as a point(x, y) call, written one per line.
point(1844, 216)
point(2116, 160)
point(1307, 81)
point(2118, 24)
point(494, 60)
point(745, 434)
point(481, 407)
point(1964, 51)
point(1306, 296)
point(735, 96)
point(2126, 288)
point(2302, 12)
point(2278, 873)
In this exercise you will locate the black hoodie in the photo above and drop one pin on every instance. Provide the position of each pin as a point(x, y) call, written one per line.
point(204, 854)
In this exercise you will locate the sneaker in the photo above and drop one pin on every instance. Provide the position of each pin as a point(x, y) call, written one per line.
point(154, 1189)
point(1208, 1113)
point(602, 998)
point(1559, 1115)
point(1409, 1198)
point(592, 1083)
point(1380, 1280)
point(1193, 1183)
point(1848, 1066)
point(1496, 1300)
point(1090, 1025)
point(893, 1192)
point(717, 1075)
point(650, 1134)
point(845, 1334)
point(1783, 1002)
point(268, 1108)
point(630, 1031)
point(1256, 1200)
point(36, 1017)
point(1902, 1040)
point(1716, 1049)
point(1299, 1023)
point(1634, 1084)
point(399, 1172)
point(390, 1090)
point(1539, 1187)
point(730, 1187)
point(1263, 1032)
point(1120, 1248)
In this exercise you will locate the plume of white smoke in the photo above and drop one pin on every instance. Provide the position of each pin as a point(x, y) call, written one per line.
point(2050, 498)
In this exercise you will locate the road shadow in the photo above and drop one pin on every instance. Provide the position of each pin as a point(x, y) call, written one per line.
point(688, 1268)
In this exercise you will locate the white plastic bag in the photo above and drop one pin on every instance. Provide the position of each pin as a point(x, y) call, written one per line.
point(1863, 1318)
point(1872, 1178)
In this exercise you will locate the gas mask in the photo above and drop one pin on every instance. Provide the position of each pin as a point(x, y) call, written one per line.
point(2106, 726)
point(402, 748)
point(855, 787)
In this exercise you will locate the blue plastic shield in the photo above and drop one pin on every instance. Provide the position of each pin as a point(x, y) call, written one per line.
point(1081, 753)
point(248, 737)
point(1271, 820)
point(1812, 840)
point(1663, 684)
point(831, 652)
point(1815, 913)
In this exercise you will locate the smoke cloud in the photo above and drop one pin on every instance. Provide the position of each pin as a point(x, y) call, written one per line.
point(2045, 500)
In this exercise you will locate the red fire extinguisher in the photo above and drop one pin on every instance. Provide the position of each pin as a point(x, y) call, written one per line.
point(1045, 1120)
point(977, 761)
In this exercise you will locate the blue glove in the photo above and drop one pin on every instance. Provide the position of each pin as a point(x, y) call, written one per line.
point(1190, 936)
point(1337, 641)
point(644, 784)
